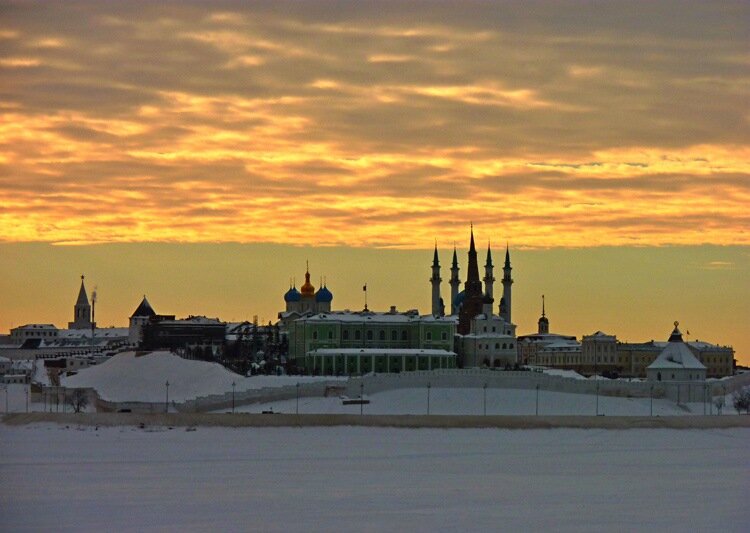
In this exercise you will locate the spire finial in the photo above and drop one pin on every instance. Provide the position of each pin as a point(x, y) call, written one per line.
point(543, 305)
point(82, 276)
point(307, 266)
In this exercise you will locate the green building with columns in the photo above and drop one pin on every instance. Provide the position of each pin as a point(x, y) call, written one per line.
point(361, 342)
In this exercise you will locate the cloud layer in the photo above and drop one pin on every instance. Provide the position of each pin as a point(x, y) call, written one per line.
point(388, 124)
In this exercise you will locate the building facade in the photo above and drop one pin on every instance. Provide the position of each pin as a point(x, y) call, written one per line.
point(392, 331)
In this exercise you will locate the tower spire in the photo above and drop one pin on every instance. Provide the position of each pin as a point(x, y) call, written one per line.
point(435, 280)
point(455, 282)
point(507, 283)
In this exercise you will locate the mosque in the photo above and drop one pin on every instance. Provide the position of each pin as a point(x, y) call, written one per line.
point(482, 338)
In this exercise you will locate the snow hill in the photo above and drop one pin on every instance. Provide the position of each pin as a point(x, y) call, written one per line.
point(128, 377)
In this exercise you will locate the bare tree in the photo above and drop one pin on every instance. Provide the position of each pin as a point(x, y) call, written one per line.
point(719, 402)
point(741, 401)
point(78, 400)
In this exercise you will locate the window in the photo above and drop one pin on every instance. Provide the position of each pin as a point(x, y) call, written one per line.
point(493, 329)
point(357, 335)
point(497, 346)
point(403, 335)
point(315, 335)
point(345, 335)
point(381, 335)
point(505, 346)
point(444, 336)
point(511, 346)
point(330, 335)
point(369, 334)
point(394, 335)
point(428, 336)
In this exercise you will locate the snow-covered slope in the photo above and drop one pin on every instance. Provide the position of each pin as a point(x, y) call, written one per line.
point(127, 377)
point(130, 378)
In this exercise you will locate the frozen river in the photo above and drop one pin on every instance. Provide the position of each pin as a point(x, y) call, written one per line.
point(372, 479)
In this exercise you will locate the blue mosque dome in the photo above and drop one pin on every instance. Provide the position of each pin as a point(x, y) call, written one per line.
point(292, 295)
point(324, 295)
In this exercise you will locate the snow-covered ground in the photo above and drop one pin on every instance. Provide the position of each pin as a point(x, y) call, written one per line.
point(54, 478)
point(127, 377)
point(499, 402)
point(442, 401)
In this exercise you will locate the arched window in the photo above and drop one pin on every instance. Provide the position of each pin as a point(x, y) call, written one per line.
point(369, 334)
point(394, 335)
point(511, 346)
point(381, 335)
point(357, 335)
point(497, 346)
point(428, 336)
point(404, 336)
point(315, 335)
point(345, 335)
point(505, 346)
point(330, 335)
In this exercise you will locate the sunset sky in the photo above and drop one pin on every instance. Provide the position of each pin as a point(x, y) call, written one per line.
point(201, 152)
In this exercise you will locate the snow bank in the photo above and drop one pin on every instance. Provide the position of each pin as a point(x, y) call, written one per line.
point(142, 378)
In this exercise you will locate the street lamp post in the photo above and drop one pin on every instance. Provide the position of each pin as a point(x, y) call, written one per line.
point(537, 399)
point(361, 396)
point(233, 386)
point(428, 398)
point(597, 397)
point(166, 401)
point(27, 397)
point(484, 400)
point(296, 410)
point(6, 398)
point(651, 397)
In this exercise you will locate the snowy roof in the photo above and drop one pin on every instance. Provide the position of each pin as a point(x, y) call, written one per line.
point(563, 344)
point(37, 326)
point(391, 318)
point(676, 355)
point(379, 351)
point(546, 337)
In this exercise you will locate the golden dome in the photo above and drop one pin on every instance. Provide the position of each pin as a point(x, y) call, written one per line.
point(307, 289)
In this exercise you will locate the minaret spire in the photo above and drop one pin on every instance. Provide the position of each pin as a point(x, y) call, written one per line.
point(489, 277)
point(435, 280)
point(455, 282)
point(507, 283)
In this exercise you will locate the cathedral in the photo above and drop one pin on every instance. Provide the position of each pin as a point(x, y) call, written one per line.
point(483, 338)
point(306, 300)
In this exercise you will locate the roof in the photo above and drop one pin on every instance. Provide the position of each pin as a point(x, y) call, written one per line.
point(83, 299)
point(379, 351)
point(393, 318)
point(36, 326)
point(144, 309)
point(546, 337)
point(676, 355)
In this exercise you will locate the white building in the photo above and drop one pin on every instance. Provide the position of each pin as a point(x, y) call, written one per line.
point(676, 362)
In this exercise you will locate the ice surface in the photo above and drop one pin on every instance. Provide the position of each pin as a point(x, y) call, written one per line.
point(372, 479)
